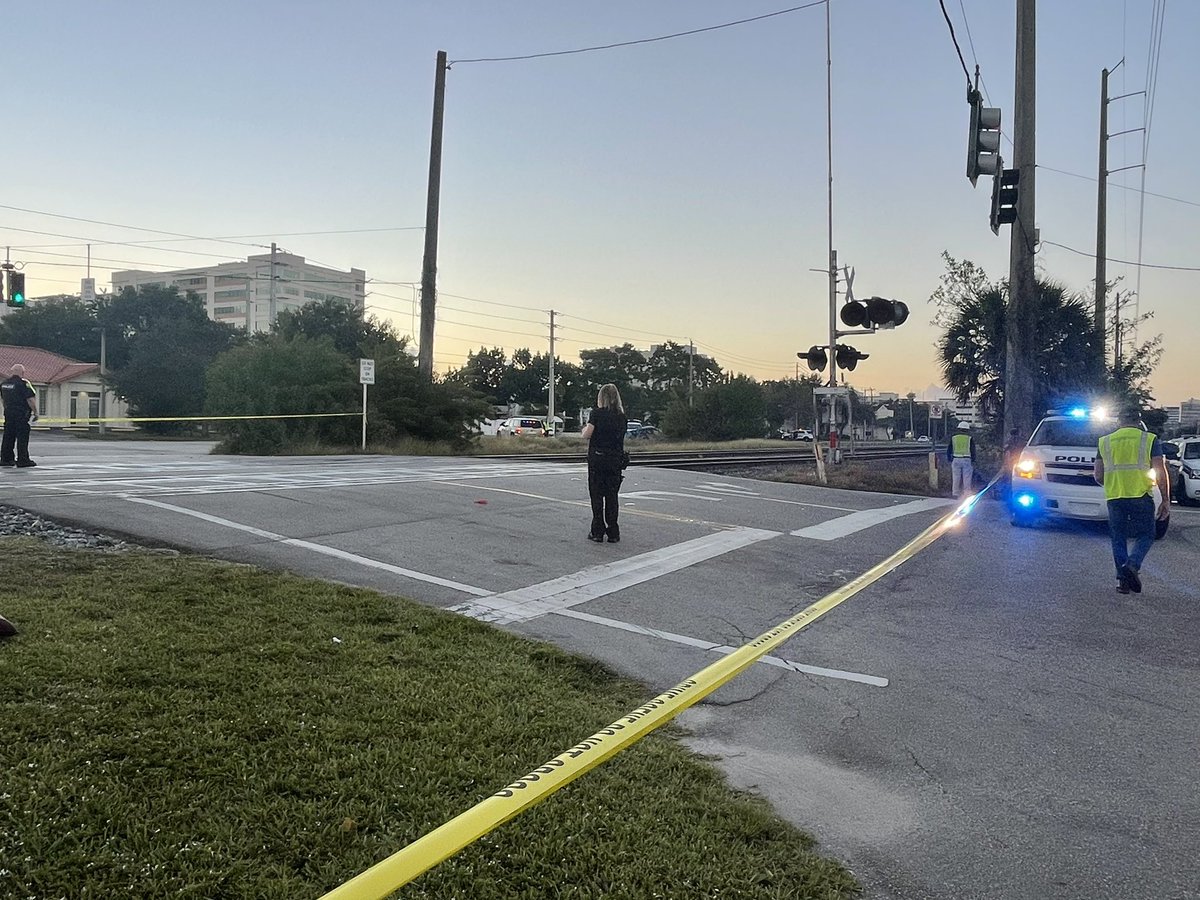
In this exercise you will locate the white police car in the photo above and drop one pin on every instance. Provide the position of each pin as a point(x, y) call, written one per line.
point(1053, 476)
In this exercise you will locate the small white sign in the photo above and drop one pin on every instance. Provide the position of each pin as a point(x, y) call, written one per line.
point(87, 290)
point(831, 391)
point(366, 371)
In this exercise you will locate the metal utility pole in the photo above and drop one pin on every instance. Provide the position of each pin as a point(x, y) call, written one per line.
point(1022, 279)
point(103, 372)
point(271, 309)
point(1102, 217)
point(550, 414)
point(433, 202)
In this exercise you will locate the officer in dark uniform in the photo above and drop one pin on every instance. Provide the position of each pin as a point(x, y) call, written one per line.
point(20, 407)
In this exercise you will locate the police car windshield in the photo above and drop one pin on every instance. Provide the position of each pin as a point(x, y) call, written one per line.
point(1070, 432)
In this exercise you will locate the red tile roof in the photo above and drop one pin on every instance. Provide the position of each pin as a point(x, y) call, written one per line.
point(42, 366)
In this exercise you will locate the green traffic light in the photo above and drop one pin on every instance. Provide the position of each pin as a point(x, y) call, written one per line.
point(16, 289)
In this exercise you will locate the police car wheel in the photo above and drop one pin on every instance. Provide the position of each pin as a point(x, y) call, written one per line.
point(1022, 521)
point(1160, 527)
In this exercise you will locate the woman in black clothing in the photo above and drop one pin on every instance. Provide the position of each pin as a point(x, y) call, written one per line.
point(605, 432)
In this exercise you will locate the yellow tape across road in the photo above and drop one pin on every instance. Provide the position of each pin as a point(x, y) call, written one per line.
point(443, 842)
point(92, 421)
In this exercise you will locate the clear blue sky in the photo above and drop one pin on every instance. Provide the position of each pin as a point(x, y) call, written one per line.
point(671, 190)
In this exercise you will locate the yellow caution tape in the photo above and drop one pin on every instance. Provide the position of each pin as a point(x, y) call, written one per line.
point(91, 421)
point(443, 842)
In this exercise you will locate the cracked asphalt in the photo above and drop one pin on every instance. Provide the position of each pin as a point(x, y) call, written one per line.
point(1037, 736)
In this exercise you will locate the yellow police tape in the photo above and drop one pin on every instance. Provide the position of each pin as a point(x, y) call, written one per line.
point(444, 841)
point(90, 421)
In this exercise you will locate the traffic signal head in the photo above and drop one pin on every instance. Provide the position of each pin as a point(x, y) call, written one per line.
point(983, 140)
point(1004, 198)
point(854, 314)
point(16, 288)
point(816, 357)
point(848, 358)
point(884, 313)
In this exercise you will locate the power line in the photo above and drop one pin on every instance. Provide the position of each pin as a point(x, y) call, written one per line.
point(954, 38)
point(234, 237)
point(224, 256)
point(664, 37)
point(1125, 262)
point(1123, 187)
point(38, 212)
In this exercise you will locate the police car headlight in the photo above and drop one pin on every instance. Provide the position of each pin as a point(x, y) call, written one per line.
point(1028, 468)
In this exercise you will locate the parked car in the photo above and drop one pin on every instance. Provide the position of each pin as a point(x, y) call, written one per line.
point(522, 425)
point(798, 434)
point(631, 426)
point(643, 433)
point(923, 439)
point(1185, 471)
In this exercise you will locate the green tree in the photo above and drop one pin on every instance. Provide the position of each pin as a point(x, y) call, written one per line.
point(64, 325)
point(789, 400)
point(972, 350)
point(485, 373)
point(732, 410)
point(623, 366)
point(277, 376)
point(669, 366)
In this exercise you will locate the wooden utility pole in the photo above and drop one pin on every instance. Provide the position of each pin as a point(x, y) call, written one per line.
point(1022, 279)
point(429, 265)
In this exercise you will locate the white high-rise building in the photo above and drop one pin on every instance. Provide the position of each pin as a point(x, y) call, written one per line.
point(240, 292)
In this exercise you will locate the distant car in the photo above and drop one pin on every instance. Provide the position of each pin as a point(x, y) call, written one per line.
point(799, 434)
point(1185, 471)
point(632, 426)
point(522, 426)
point(644, 433)
point(923, 439)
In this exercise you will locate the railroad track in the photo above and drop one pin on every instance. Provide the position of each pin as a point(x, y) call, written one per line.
point(713, 459)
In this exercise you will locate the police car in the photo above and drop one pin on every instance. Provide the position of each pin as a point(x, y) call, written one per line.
point(1052, 478)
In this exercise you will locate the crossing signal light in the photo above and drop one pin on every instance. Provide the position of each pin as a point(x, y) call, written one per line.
point(884, 313)
point(16, 289)
point(816, 357)
point(1004, 198)
point(983, 140)
point(854, 314)
point(848, 358)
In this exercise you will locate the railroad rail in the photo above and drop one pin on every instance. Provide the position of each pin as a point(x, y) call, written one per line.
point(712, 459)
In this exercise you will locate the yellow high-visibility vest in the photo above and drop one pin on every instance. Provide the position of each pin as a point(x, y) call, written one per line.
point(961, 443)
point(1126, 457)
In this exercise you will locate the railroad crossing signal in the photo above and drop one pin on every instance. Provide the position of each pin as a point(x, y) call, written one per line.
point(848, 358)
point(816, 357)
point(878, 312)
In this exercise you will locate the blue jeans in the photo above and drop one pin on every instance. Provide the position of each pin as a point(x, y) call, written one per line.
point(1131, 519)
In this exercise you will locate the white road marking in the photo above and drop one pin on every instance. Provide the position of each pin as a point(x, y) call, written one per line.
point(721, 648)
point(867, 518)
point(598, 581)
point(658, 495)
point(316, 548)
point(721, 487)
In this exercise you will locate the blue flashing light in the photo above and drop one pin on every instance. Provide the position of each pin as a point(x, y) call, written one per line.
point(1079, 413)
point(1026, 500)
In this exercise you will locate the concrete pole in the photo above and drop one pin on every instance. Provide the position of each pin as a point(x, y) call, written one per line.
point(432, 206)
point(1022, 281)
point(1102, 218)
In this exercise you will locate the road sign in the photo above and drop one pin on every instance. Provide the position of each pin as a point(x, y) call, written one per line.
point(831, 391)
point(87, 290)
point(366, 371)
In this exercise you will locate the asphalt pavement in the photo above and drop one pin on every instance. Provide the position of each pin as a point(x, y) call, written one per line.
point(992, 720)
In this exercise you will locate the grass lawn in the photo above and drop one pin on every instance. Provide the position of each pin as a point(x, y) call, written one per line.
point(174, 727)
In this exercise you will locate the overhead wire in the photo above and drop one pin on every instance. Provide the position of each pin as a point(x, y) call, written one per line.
point(1124, 262)
point(651, 40)
point(954, 38)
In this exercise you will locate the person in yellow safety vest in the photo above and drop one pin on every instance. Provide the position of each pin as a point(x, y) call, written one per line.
point(1128, 464)
point(960, 450)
